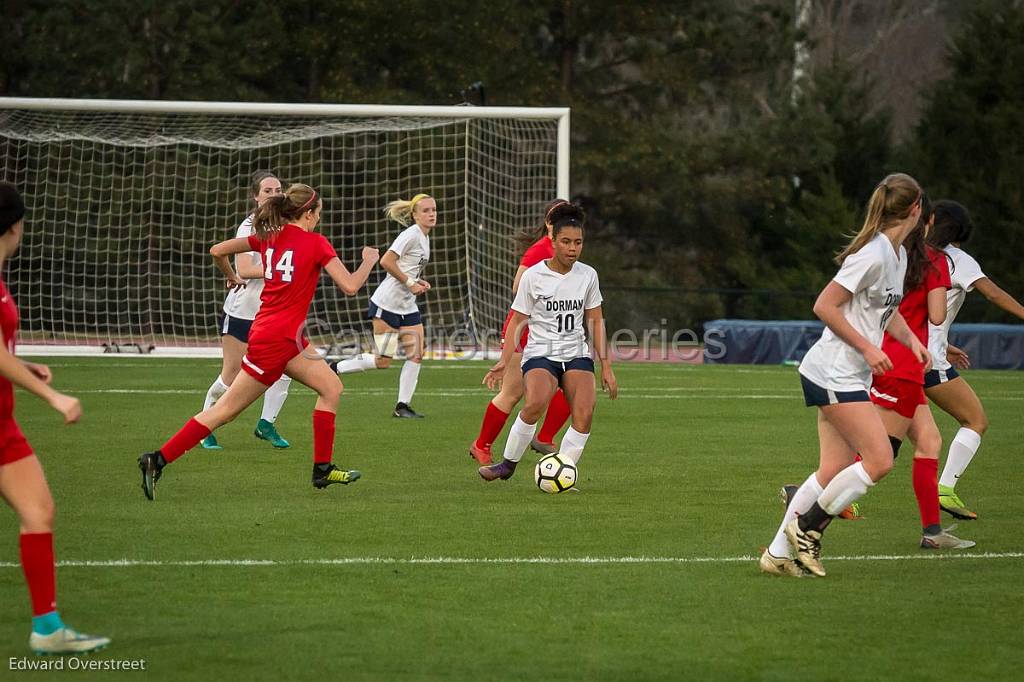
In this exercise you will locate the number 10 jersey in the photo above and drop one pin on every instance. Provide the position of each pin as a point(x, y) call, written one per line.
point(555, 305)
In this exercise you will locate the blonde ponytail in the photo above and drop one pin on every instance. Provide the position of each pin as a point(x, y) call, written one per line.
point(401, 210)
point(891, 202)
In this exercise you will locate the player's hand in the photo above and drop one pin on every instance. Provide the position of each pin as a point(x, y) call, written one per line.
point(421, 287)
point(234, 283)
point(877, 360)
point(922, 354)
point(493, 377)
point(957, 357)
point(41, 372)
point(608, 382)
point(370, 254)
point(67, 406)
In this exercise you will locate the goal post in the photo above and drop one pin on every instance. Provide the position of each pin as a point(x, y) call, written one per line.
point(125, 197)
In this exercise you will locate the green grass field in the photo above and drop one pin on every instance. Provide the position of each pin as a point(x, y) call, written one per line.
point(422, 571)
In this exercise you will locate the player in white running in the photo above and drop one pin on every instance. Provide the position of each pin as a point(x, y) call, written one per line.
point(393, 309)
point(943, 384)
point(858, 306)
point(560, 299)
point(240, 308)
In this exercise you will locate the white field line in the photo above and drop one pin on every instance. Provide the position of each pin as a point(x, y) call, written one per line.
point(450, 561)
point(665, 394)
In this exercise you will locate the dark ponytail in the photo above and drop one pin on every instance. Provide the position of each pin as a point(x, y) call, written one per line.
point(918, 263)
point(12, 207)
point(524, 239)
point(276, 211)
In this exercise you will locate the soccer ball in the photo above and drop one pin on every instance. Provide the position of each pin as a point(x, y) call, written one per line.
point(555, 474)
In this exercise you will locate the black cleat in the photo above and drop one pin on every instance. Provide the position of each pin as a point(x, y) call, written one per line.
point(325, 475)
point(152, 465)
point(403, 411)
point(787, 493)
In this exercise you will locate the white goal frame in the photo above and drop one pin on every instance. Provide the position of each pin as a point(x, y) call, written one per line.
point(561, 115)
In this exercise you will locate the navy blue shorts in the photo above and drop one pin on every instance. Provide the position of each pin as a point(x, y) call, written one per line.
point(935, 377)
point(816, 396)
point(558, 369)
point(233, 326)
point(393, 320)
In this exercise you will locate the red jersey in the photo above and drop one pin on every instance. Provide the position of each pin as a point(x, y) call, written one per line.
point(914, 309)
point(542, 249)
point(9, 326)
point(292, 261)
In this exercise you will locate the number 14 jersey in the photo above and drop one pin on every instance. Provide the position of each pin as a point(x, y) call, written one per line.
point(555, 304)
point(292, 261)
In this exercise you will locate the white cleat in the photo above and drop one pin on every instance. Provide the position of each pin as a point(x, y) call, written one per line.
point(784, 566)
point(945, 540)
point(65, 641)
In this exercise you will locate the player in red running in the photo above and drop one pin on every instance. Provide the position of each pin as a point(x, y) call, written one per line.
point(537, 243)
point(899, 392)
point(22, 482)
point(293, 256)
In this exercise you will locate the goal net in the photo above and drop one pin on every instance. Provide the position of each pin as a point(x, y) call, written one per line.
point(125, 199)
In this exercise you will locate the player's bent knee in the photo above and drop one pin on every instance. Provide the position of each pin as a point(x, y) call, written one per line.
point(383, 362)
point(38, 517)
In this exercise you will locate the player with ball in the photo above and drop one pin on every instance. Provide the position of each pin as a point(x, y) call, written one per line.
point(560, 299)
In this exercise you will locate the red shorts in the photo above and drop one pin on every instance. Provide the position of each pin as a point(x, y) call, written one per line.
point(265, 360)
point(523, 338)
point(13, 445)
point(901, 395)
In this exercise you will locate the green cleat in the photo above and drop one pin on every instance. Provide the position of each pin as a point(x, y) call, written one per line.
point(265, 431)
point(210, 443)
point(951, 503)
point(325, 475)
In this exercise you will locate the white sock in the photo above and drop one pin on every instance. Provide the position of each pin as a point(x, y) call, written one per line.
point(519, 437)
point(407, 381)
point(961, 452)
point(273, 399)
point(805, 496)
point(217, 389)
point(359, 363)
point(848, 486)
point(572, 445)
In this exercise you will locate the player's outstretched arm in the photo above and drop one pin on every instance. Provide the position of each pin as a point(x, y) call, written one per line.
point(351, 282)
point(994, 293)
point(222, 252)
point(35, 379)
point(599, 337)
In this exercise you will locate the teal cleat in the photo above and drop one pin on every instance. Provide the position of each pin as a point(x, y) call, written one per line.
point(210, 443)
point(265, 431)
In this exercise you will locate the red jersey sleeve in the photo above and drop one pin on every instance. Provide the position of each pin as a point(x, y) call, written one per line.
point(938, 274)
point(254, 242)
point(538, 251)
point(325, 252)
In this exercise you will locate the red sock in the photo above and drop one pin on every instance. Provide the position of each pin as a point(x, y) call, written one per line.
point(184, 440)
point(554, 420)
point(494, 422)
point(37, 563)
point(323, 436)
point(926, 488)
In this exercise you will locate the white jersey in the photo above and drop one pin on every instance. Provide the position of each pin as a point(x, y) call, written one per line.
point(243, 304)
point(964, 271)
point(413, 249)
point(874, 275)
point(554, 304)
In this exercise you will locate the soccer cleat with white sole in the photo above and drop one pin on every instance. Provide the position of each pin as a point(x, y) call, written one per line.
point(945, 540)
point(784, 566)
point(65, 641)
point(807, 545)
